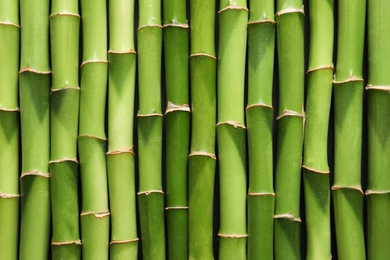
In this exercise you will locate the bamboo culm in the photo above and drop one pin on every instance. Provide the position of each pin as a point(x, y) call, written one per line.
point(9, 129)
point(290, 46)
point(150, 123)
point(177, 118)
point(378, 190)
point(315, 159)
point(94, 219)
point(120, 154)
point(259, 118)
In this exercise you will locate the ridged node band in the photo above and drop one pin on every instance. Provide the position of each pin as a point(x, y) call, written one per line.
point(290, 10)
point(75, 242)
point(315, 170)
point(236, 236)
point(124, 241)
point(171, 107)
point(339, 187)
point(287, 216)
point(9, 196)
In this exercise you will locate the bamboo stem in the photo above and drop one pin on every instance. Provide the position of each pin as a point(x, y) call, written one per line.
point(92, 139)
point(120, 155)
point(35, 130)
point(177, 116)
point(378, 189)
point(150, 120)
point(231, 131)
point(290, 45)
point(348, 107)
point(315, 164)
point(9, 129)
point(259, 116)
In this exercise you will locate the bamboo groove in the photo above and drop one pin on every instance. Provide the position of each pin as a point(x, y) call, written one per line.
point(9, 129)
point(120, 154)
point(259, 116)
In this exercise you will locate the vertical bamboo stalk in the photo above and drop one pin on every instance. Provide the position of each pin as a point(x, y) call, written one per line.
point(290, 45)
point(259, 116)
point(34, 90)
point(348, 112)
point(92, 138)
point(177, 116)
point(231, 130)
point(202, 157)
point(378, 190)
point(64, 38)
point(315, 162)
point(9, 129)
point(120, 155)
point(150, 195)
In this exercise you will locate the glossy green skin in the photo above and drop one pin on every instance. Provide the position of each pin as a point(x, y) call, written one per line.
point(259, 118)
point(378, 211)
point(9, 129)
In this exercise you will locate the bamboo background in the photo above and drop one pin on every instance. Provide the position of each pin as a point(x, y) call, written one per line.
point(216, 216)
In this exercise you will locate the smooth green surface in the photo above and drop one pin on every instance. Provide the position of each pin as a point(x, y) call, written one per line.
point(121, 24)
point(70, 251)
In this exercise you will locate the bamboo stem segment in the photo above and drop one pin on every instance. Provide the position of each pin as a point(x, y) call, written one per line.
point(9, 129)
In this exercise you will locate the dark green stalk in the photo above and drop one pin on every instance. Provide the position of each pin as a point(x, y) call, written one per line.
point(378, 191)
point(95, 219)
point(9, 129)
point(231, 131)
point(203, 107)
point(120, 155)
point(34, 90)
point(259, 116)
point(290, 45)
point(177, 116)
point(315, 164)
point(348, 107)
point(64, 169)
point(150, 120)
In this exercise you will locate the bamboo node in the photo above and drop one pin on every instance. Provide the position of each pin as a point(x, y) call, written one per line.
point(236, 236)
point(149, 25)
point(320, 68)
point(98, 214)
point(235, 124)
point(180, 25)
point(199, 54)
point(9, 196)
point(258, 105)
point(10, 24)
point(64, 160)
point(290, 10)
point(171, 107)
point(120, 151)
point(265, 20)
point(176, 207)
point(378, 192)
point(64, 14)
point(16, 109)
point(75, 242)
point(233, 7)
point(351, 78)
point(290, 113)
point(272, 194)
point(315, 170)
point(199, 153)
point(93, 61)
point(149, 115)
point(148, 192)
point(64, 88)
point(113, 242)
point(372, 87)
point(93, 136)
point(340, 187)
point(122, 52)
point(29, 69)
point(288, 216)
point(35, 173)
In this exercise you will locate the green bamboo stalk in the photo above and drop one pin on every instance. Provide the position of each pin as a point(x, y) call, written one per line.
point(315, 162)
point(9, 129)
point(150, 195)
point(95, 219)
point(378, 190)
point(177, 116)
point(34, 90)
point(64, 36)
point(120, 155)
point(202, 157)
point(290, 45)
point(259, 115)
point(231, 131)
point(348, 108)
